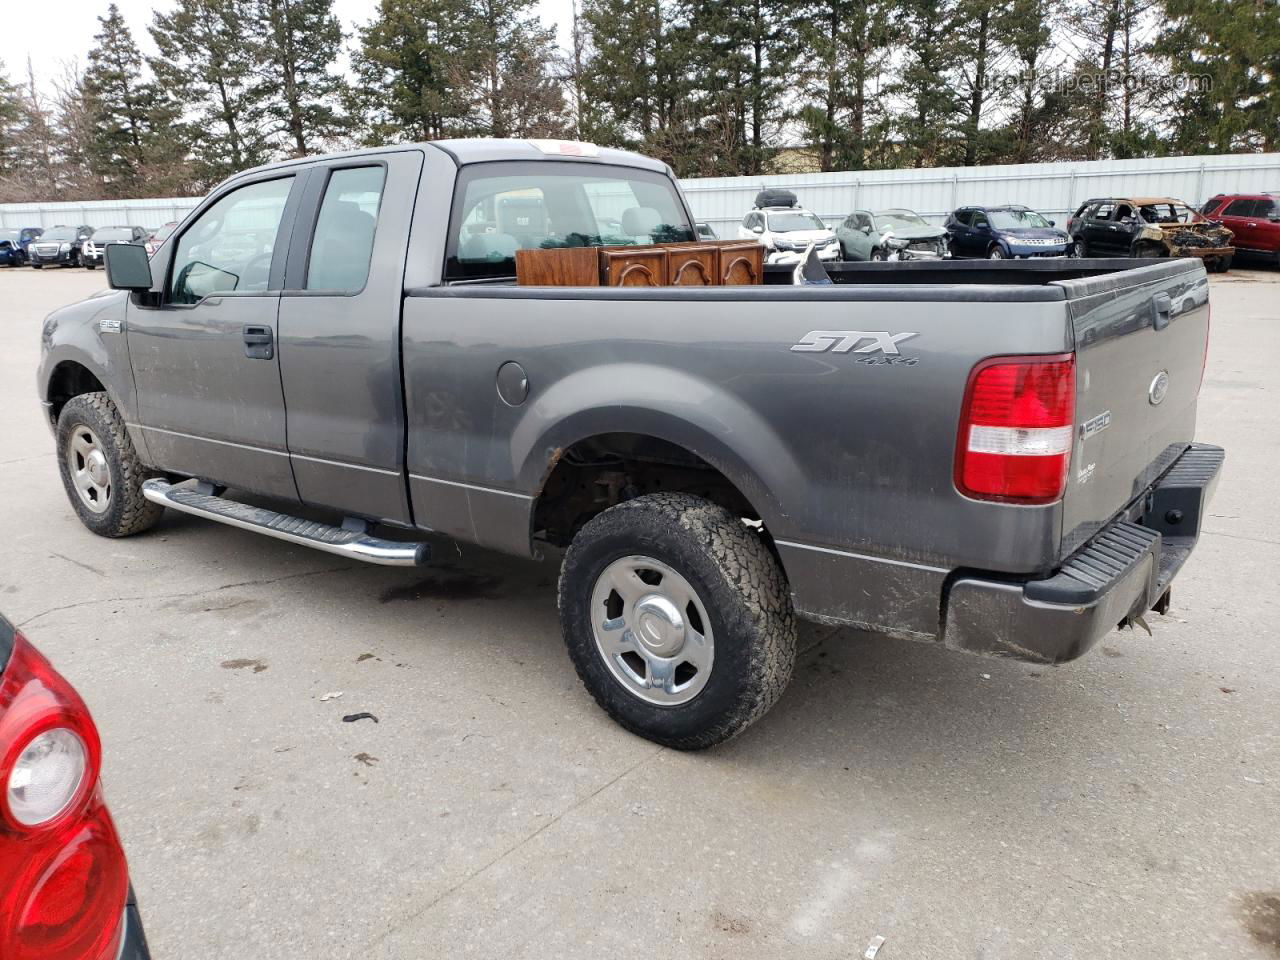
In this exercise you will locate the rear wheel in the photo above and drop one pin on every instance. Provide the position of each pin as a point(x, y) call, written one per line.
point(100, 469)
point(677, 618)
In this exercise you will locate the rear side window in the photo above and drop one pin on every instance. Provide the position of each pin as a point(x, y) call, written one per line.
point(229, 247)
point(1103, 211)
point(504, 207)
point(1239, 208)
point(342, 244)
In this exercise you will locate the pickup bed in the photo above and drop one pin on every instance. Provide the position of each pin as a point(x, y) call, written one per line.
point(994, 457)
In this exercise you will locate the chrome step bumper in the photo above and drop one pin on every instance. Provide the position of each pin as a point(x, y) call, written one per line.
point(185, 498)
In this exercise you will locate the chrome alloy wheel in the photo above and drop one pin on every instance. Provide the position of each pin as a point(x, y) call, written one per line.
point(652, 630)
point(87, 465)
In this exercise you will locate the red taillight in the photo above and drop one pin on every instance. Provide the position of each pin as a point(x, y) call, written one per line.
point(64, 874)
point(1016, 427)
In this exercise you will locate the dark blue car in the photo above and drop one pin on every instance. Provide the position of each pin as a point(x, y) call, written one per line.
point(13, 244)
point(1002, 233)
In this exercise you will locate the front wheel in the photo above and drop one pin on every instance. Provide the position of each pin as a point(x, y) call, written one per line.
point(1076, 250)
point(100, 469)
point(878, 255)
point(995, 253)
point(678, 619)
point(89, 266)
point(37, 266)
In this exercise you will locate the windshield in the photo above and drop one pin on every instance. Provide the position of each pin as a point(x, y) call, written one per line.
point(794, 220)
point(9, 235)
point(163, 232)
point(900, 218)
point(500, 208)
point(1016, 219)
point(60, 233)
point(104, 234)
point(1168, 213)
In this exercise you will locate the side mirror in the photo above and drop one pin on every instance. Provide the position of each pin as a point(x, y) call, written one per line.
point(865, 229)
point(1053, 223)
point(757, 229)
point(128, 267)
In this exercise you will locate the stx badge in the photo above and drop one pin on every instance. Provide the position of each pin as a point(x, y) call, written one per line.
point(843, 341)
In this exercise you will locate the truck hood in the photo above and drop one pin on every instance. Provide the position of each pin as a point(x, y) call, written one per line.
point(1194, 236)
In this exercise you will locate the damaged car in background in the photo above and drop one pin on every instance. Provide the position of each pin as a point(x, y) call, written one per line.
point(1149, 227)
point(891, 235)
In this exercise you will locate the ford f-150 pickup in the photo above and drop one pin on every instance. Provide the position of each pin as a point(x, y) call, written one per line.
point(997, 458)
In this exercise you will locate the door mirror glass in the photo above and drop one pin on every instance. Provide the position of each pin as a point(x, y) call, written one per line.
point(128, 267)
point(1053, 223)
point(756, 228)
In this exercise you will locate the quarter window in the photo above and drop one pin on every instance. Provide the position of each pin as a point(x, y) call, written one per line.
point(342, 245)
point(229, 248)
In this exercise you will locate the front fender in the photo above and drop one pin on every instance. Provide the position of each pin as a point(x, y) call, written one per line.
point(667, 404)
point(90, 333)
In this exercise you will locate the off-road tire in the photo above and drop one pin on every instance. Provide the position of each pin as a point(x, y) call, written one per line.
point(739, 582)
point(128, 511)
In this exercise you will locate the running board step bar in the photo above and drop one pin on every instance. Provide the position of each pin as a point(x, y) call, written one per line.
point(186, 497)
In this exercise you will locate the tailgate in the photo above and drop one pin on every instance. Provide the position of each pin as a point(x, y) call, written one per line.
point(1140, 339)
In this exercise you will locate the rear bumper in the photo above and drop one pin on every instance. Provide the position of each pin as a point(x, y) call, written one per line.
point(1124, 571)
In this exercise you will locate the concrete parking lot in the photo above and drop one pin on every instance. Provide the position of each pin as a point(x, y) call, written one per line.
point(1126, 805)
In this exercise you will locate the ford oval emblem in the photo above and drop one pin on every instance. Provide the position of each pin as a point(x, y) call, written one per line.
point(1159, 388)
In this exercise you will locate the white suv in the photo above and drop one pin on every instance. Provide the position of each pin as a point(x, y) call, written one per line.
point(786, 233)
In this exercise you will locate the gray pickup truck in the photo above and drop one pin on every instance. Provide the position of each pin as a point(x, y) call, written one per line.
point(997, 458)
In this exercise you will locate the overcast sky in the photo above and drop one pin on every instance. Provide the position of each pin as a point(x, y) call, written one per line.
point(53, 31)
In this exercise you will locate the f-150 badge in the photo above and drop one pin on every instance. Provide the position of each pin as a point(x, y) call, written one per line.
point(844, 341)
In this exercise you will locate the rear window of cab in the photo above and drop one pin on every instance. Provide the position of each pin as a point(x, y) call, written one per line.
point(499, 208)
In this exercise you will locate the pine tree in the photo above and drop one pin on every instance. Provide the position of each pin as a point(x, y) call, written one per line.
point(509, 84)
point(296, 44)
point(847, 43)
point(126, 118)
point(930, 53)
point(206, 65)
point(639, 74)
point(1235, 46)
point(10, 126)
point(412, 67)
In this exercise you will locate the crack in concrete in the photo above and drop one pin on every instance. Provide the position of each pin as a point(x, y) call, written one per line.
point(264, 581)
point(479, 871)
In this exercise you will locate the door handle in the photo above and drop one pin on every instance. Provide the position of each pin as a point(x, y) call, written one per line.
point(259, 343)
point(1161, 307)
point(1250, 224)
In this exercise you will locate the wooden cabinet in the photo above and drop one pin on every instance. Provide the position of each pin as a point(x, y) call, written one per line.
point(560, 267)
point(707, 264)
point(633, 266)
point(741, 261)
point(692, 264)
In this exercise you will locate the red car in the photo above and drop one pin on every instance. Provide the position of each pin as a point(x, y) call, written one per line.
point(1253, 217)
point(159, 236)
point(64, 883)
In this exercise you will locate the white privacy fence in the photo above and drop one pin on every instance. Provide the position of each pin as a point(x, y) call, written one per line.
point(1055, 189)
